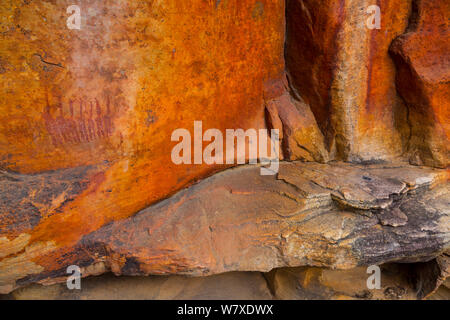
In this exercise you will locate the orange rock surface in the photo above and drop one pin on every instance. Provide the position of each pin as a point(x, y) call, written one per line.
point(86, 118)
point(342, 69)
point(423, 59)
point(110, 95)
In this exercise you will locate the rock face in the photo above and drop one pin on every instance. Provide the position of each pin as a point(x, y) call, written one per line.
point(301, 138)
point(302, 283)
point(396, 282)
point(342, 69)
point(328, 215)
point(110, 95)
point(422, 57)
point(429, 276)
point(229, 286)
point(306, 283)
point(87, 116)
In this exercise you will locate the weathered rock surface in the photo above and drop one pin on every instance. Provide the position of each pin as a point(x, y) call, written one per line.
point(326, 215)
point(133, 73)
point(300, 137)
point(422, 56)
point(110, 95)
point(302, 283)
point(228, 286)
point(443, 293)
point(429, 276)
point(343, 70)
point(423, 280)
point(86, 118)
point(311, 283)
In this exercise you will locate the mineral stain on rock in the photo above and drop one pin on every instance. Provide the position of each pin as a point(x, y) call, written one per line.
point(86, 118)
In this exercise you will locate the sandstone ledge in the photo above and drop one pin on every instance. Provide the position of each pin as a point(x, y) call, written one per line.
point(333, 215)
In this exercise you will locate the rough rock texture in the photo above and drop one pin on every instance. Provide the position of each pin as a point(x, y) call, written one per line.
point(302, 283)
point(310, 283)
point(443, 293)
point(343, 70)
point(117, 88)
point(86, 118)
point(228, 286)
point(422, 56)
point(429, 276)
point(301, 138)
point(397, 282)
point(327, 215)
point(111, 94)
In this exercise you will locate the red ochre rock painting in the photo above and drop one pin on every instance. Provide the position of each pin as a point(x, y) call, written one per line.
point(85, 121)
